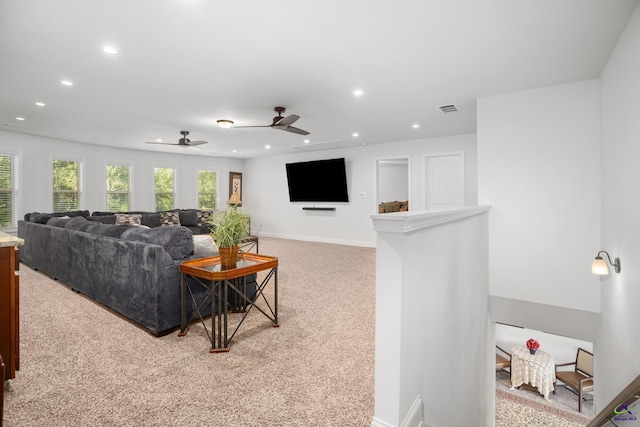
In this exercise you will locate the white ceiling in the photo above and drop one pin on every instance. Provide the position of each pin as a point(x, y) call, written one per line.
point(183, 64)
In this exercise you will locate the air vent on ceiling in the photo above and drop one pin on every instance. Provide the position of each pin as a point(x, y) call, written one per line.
point(451, 108)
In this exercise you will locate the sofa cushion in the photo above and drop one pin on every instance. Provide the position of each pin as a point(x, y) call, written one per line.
point(177, 241)
point(108, 229)
point(56, 221)
point(188, 218)
point(103, 219)
point(170, 219)
point(128, 218)
point(39, 218)
point(78, 223)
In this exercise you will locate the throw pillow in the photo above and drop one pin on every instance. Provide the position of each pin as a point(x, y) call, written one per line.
point(188, 218)
point(135, 219)
point(203, 217)
point(170, 219)
point(204, 246)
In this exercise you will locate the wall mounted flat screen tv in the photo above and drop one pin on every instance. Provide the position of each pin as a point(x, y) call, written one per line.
point(318, 181)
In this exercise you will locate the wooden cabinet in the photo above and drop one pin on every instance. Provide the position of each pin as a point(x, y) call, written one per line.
point(9, 304)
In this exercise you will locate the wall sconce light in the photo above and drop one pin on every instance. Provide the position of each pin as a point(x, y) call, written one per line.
point(599, 265)
point(225, 124)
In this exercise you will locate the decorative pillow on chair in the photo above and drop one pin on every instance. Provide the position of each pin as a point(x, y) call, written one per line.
point(170, 219)
point(135, 219)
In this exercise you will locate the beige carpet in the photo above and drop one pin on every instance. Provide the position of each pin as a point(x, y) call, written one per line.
point(82, 365)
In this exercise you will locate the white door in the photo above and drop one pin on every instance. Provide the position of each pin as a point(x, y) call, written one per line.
point(444, 174)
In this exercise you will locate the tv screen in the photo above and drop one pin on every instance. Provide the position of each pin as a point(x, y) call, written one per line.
point(317, 181)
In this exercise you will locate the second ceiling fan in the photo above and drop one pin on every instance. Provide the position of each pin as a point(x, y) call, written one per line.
point(282, 123)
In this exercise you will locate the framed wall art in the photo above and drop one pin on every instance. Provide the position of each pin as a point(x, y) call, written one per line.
point(235, 188)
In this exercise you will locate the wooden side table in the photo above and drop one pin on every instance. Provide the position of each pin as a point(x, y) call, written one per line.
point(218, 282)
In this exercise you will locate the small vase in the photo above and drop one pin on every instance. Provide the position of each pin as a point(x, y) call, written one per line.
point(228, 257)
point(532, 350)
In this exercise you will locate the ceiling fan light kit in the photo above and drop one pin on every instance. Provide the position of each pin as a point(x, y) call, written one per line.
point(225, 124)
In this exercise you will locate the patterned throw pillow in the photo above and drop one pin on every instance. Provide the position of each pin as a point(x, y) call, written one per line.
point(170, 219)
point(203, 217)
point(135, 219)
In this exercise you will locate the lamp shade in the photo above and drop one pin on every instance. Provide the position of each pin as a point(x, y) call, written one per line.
point(234, 199)
point(599, 266)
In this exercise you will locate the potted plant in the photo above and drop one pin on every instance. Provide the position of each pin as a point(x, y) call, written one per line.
point(228, 229)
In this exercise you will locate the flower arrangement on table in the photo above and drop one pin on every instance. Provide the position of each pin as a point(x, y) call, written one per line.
point(533, 346)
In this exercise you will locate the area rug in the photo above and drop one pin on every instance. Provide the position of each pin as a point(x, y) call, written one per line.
point(527, 407)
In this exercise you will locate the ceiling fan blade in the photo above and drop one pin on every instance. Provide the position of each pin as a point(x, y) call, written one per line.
point(196, 142)
point(295, 130)
point(287, 120)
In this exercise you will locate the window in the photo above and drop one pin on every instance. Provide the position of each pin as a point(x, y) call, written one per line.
point(8, 191)
point(118, 187)
point(164, 189)
point(207, 183)
point(66, 185)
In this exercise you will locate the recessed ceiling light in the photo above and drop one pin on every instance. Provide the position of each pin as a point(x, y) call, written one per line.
point(306, 141)
point(40, 104)
point(234, 151)
point(415, 126)
point(110, 50)
point(225, 124)
point(267, 147)
point(66, 82)
point(358, 92)
point(355, 134)
point(158, 140)
point(20, 118)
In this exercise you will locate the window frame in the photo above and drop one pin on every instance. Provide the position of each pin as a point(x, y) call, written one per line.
point(216, 171)
point(174, 183)
point(129, 192)
point(14, 189)
point(80, 191)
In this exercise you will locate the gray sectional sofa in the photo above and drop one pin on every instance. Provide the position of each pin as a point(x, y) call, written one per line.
point(131, 269)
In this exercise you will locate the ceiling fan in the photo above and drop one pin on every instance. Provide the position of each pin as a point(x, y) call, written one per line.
point(282, 123)
point(183, 142)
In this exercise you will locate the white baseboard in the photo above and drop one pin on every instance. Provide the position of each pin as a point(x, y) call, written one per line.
point(412, 419)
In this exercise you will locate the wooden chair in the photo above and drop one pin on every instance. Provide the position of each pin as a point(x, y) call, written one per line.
point(502, 363)
point(580, 380)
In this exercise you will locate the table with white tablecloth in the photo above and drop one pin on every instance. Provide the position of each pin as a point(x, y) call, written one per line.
point(537, 369)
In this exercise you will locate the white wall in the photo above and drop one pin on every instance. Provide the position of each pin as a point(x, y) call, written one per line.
point(434, 345)
point(35, 169)
point(563, 349)
point(618, 346)
point(266, 192)
point(393, 180)
point(539, 169)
